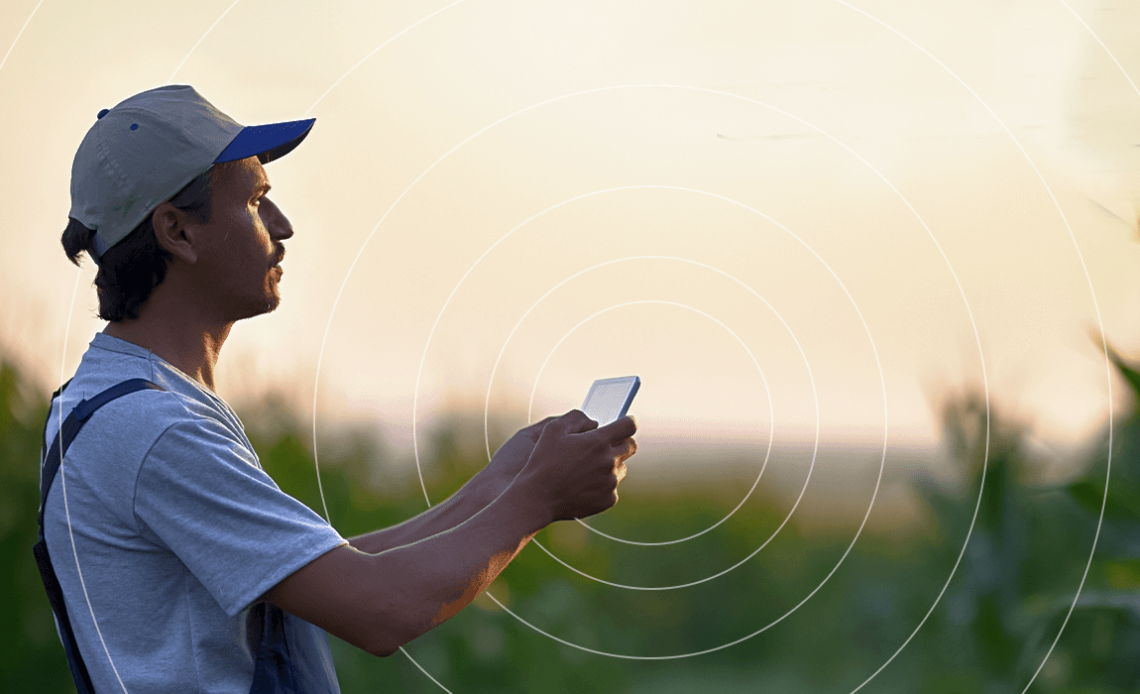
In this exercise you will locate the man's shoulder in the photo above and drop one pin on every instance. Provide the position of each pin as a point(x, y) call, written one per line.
point(145, 414)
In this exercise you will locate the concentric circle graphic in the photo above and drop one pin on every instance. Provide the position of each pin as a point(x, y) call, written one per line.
point(534, 390)
point(815, 450)
point(767, 455)
point(709, 94)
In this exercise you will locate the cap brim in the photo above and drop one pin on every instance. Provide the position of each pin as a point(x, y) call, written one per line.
point(266, 142)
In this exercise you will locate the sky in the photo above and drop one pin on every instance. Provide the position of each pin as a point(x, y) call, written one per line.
point(791, 220)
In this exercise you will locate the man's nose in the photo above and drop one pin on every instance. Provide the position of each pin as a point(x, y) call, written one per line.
point(278, 223)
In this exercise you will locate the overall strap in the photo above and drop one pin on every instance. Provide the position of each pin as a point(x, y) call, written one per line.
point(47, 419)
point(73, 424)
point(49, 466)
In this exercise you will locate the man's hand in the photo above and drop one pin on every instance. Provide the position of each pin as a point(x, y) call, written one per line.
point(509, 460)
point(576, 466)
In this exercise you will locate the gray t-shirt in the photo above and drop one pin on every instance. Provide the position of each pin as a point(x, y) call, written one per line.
point(176, 530)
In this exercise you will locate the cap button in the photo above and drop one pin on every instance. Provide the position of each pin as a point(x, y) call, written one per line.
point(102, 113)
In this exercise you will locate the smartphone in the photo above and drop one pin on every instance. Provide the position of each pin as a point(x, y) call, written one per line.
point(609, 398)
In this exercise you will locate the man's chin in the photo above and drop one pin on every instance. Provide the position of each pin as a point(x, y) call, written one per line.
point(269, 305)
point(272, 297)
point(272, 304)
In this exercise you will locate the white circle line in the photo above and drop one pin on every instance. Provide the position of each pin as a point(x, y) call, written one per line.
point(72, 306)
point(421, 669)
point(364, 244)
point(502, 350)
point(20, 33)
point(400, 197)
point(767, 390)
point(344, 282)
point(973, 323)
point(1108, 375)
point(200, 40)
point(1100, 323)
point(377, 50)
point(771, 436)
point(63, 481)
point(1108, 52)
point(882, 463)
point(771, 416)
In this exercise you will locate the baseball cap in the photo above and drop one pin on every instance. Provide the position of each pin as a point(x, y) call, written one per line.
point(149, 146)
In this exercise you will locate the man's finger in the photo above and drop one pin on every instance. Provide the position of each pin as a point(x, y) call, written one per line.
point(630, 449)
point(544, 421)
point(577, 422)
point(618, 430)
point(535, 429)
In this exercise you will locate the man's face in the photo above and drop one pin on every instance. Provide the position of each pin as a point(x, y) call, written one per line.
point(241, 245)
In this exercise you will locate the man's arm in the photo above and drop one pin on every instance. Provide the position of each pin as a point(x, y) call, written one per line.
point(379, 602)
point(473, 497)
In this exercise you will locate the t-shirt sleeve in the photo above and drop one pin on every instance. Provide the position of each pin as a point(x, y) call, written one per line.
point(201, 493)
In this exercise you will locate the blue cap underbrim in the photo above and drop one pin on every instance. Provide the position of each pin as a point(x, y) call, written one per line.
point(266, 142)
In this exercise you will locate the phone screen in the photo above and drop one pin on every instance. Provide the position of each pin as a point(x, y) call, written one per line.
point(609, 398)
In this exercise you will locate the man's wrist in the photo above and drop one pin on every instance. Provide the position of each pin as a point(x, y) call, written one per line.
point(521, 497)
point(486, 486)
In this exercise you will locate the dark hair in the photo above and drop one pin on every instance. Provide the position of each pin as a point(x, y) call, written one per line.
point(131, 269)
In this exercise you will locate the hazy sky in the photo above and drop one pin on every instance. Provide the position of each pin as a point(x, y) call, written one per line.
point(752, 205)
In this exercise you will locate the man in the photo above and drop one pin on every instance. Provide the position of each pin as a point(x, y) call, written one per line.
point(183, 566)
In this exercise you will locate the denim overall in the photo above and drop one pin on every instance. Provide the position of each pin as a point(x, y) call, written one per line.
point(274, 671)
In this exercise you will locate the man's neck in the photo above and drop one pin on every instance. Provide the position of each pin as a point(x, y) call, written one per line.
point(188, 346)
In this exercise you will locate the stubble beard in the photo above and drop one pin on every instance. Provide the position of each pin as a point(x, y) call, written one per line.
point(268, 302)
point(274, 298)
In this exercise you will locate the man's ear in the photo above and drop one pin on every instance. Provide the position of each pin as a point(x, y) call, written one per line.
point(172, 234)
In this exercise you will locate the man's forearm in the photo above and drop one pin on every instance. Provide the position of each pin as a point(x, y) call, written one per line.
point(427, 582)
point(472, 498)
point(476, 495)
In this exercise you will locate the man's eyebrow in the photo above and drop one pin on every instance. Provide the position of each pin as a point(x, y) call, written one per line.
point(262, 187)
